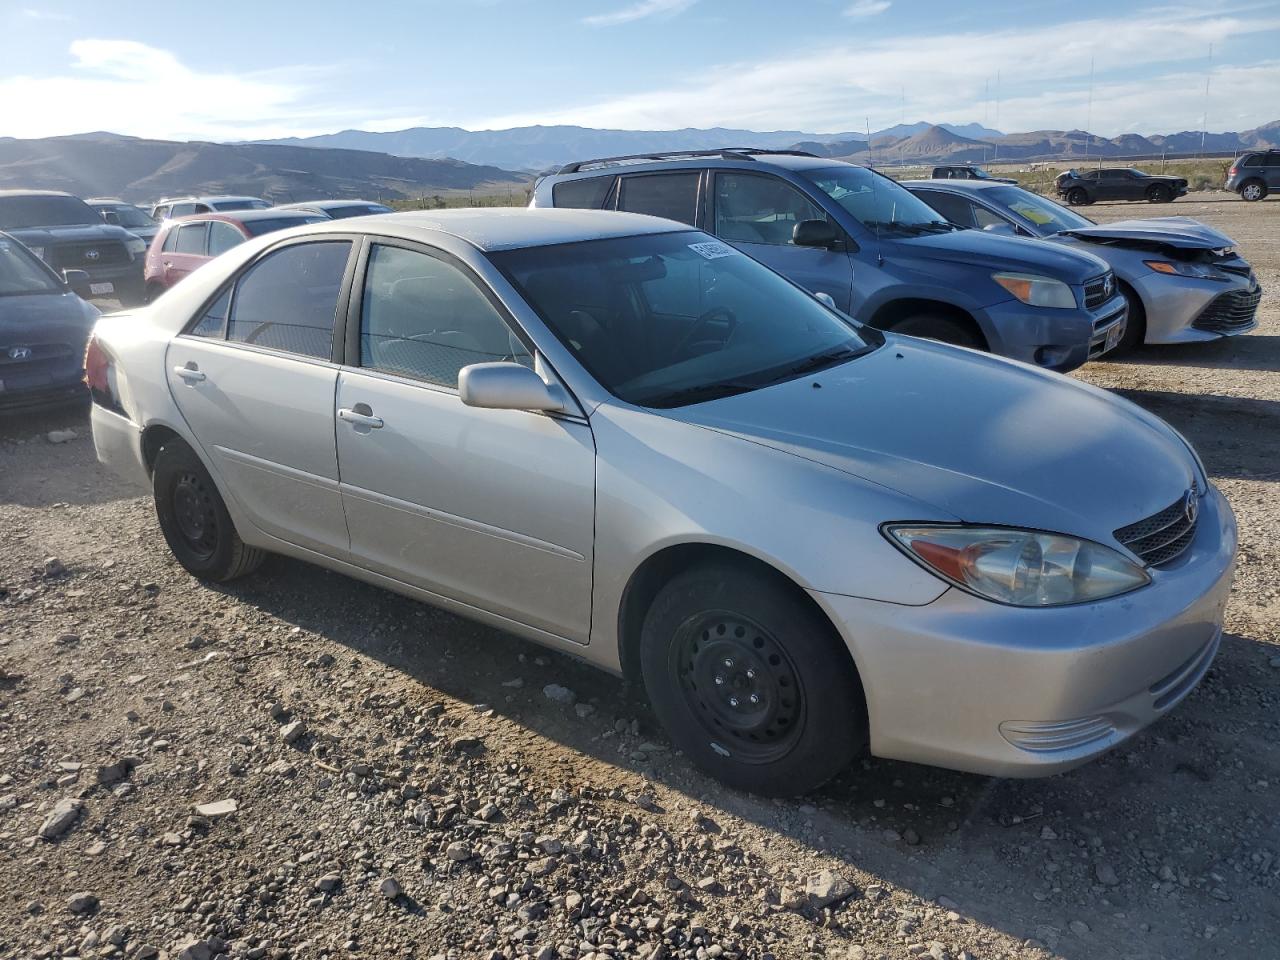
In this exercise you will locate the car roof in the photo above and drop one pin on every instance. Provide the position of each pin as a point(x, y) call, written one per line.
point(207, 198)
point(35, 193)
point(325, 204)
point(970, 185)
point(762, 160)
point(242, 216)
point(507, 228)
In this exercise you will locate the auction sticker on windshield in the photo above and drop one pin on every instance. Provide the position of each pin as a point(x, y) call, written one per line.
point(712, 250)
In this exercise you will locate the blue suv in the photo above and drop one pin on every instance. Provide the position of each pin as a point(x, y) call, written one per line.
point(877, 251)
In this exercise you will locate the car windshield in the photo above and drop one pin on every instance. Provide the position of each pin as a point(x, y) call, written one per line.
point(129, 215)
point(665, 320)
point(17, 213)
point(876, 202)
point(1047, 216)
point(245, 203)
point(21, 273)
point(257, 228)
point(356, 210)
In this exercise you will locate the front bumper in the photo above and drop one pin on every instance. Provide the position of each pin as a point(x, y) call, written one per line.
point(1055, 339)
point(125, 280)
point(1183, 309)
point(971, 685)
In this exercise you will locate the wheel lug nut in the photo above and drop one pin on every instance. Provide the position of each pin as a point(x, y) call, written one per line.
point(733, 701)
point(728, 662)
point(751, 674)
point(755, 698)
point(719, 680)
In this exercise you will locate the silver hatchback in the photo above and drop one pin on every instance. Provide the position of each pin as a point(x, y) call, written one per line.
point(626, 440)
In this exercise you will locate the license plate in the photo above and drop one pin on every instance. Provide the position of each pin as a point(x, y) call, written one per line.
point(1114, 335)
point(102, 288)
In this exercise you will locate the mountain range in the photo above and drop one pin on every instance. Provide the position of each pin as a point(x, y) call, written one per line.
point(107, 164)
point(540, 148)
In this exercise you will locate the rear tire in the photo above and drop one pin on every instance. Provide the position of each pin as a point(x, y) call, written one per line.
point(1159, 194)
point(750, 681)
point(194, 518)
point(930, 326)
point(1077, 197)
point(1253, 190)
point(152, 292)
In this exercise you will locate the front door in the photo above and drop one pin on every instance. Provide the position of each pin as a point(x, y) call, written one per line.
point(492, 508)
point(186, 252)
point(255, 380)
point(757, 214)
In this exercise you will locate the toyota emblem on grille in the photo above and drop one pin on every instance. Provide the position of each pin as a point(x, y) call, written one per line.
point(92, 254)
point(19, 353)
point(1191, 506)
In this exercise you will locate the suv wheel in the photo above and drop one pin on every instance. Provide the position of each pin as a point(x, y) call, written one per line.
point(930, 326)
point(1253, 190)
point(750, 681)
point(1077, 196)
point(194, 518)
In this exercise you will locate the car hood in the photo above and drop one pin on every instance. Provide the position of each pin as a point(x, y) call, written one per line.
point(27, 319)
point(993, 252)
point(1180, 232)
point(983, 439)
point(81, 233)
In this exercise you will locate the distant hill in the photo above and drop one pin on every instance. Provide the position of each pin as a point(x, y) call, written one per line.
point(973, 131)
point(106, 164)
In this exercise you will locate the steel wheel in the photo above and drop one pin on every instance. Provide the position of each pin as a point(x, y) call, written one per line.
point(1252, 191)
point(740, 684)
point(196, 514)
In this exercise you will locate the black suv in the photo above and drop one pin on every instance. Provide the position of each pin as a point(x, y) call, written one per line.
point(68, 234)
point(1254, 175)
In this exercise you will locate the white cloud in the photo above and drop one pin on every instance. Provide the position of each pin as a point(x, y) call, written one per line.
point(638, 11)
point(130, 87)
point(834, 89)
point(31, 13)
point(866, 8)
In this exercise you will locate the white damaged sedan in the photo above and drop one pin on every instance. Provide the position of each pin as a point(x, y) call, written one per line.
point(620, 438)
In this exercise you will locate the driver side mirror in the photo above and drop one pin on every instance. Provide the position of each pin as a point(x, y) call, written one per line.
point(815, 233)
point(77, 282)
point(507, 386)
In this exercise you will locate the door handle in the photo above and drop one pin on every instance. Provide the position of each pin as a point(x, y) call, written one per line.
point(360, 419)
point(189, 374)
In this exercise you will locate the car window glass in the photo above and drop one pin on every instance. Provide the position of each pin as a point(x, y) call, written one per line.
point(288, 299)
point(182, 209)
point(670, 195)
point(20, 272)
point(957, 210)
point(222, 237)
point(755, 209)
point(1254, 161)
point(213, 323)
point(170, 241)
point(983, 218)
point(191, 238)
point(423, 317)
point(587, 194)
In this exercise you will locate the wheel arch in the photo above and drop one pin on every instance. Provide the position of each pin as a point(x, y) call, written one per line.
point(890, 314)
point(155, 436)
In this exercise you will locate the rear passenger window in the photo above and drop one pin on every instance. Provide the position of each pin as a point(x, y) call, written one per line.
point(424, 318)
point(191, 238)
point(670, 195)
point(222, 237)
point(288, 299)
point(170, 241)
point(956, 209)
point(588, 194)
point(214, 322)
point(182, 209)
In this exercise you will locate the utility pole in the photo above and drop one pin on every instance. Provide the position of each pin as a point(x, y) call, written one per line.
point(1204, 121)
point(1088, 117)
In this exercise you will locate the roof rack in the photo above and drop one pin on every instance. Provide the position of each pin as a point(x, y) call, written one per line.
point(726, 153)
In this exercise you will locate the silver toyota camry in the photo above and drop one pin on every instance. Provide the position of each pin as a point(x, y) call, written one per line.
point(623, 439)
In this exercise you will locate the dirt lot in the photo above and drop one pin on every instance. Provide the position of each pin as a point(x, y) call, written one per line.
point(404, 787)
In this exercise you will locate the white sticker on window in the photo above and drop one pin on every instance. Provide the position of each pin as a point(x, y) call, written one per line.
point(712, 249)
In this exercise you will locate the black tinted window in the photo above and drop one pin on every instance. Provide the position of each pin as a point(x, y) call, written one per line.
point(44, 211)
point(588, 194)
point(214, 321)
point(288, 299)
point(670, 195)
point(422, 317)
point(257, 227)
point(957, 210)
point(191, 238)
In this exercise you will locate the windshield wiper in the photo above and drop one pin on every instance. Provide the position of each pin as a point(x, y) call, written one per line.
point(703, 391)
point(820, 361)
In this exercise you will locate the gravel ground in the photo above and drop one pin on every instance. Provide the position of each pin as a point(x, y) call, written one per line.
point(299, 765)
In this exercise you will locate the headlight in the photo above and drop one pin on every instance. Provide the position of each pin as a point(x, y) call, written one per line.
point(1020, 567)
point(135, 245)
point(1035, 290)
point(1181, 268)
point(38, 251)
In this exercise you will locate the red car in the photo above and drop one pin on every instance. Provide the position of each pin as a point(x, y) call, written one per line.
point(186, 243)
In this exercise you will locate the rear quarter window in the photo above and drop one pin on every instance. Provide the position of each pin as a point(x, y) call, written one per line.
point(673, 196)
point(586, 194)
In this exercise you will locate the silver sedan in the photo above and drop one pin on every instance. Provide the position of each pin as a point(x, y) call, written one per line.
point(623, 439)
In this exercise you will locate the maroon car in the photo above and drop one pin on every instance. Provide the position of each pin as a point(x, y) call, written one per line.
point(186, 243)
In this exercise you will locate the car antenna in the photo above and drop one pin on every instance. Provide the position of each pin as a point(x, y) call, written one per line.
point(871, 163)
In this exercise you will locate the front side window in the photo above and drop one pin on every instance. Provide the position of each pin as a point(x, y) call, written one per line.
point(422, 317)
point(755, 209)
point(288, 299)
point(876, 202)
point(669, 319)
point(585, 194)
point(191, 238)
point(222, 237)
point(21, 272)
point(957, 210)
point(1049, 217)
point(673, 196)
point(983, 218)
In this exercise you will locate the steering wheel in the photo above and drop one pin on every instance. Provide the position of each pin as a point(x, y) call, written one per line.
point(715, 313)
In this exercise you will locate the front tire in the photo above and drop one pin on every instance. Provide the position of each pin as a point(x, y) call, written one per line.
point(1135, 331)
point(750, 681)
point(1077, 197)
point(1253, 190)
point(194, 519)
point(929, 326)
point(1159, 194)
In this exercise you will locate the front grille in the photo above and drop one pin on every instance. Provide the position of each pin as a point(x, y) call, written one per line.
point(1098, 291)
point(86, 256)
point(36, 358)
point(1229, 312)
point(1163, 536)
point(1101, 327)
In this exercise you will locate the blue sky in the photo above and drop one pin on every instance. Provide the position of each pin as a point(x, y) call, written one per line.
point(234, 69)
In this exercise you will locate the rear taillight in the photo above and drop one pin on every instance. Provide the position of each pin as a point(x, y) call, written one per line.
point(99, 376)
point(1232, 172)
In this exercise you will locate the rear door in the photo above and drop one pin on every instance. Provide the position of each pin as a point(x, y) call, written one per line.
point(757, 213)
point(673, 196)
point(1272, 162)
point(255, 377)
point(491, 508)
point(187, 251)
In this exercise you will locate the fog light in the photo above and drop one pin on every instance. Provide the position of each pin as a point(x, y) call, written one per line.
point(1058, 735)
point(1052, 356)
